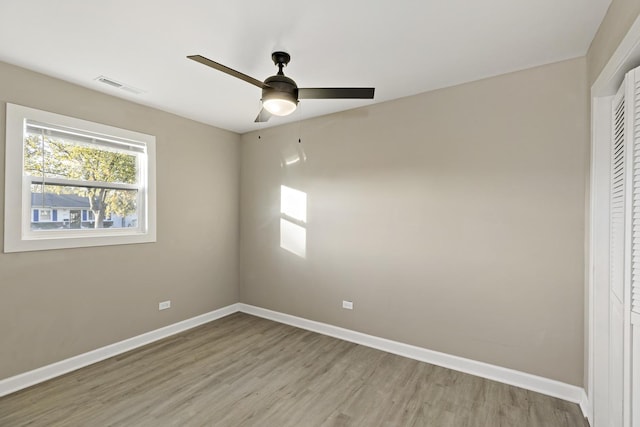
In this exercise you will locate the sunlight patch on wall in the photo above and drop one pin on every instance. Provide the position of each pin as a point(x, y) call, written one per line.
point(293, 238)
point(293, 218)
point(293, 203)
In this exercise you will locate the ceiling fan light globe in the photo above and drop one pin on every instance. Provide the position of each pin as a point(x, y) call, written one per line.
point(279, 107)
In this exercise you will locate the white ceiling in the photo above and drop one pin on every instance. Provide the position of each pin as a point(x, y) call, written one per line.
point(401, 48)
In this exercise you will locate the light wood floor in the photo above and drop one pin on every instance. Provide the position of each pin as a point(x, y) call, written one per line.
point(246, 371)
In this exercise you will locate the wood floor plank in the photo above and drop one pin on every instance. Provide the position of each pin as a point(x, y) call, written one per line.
point(246, 371)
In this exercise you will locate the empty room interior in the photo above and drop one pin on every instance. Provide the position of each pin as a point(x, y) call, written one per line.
point(329, 214)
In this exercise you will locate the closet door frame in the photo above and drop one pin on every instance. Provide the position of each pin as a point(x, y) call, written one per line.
point(595, 402)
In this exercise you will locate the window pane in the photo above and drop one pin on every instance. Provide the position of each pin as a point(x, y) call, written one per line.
point(55, 157)
point(83, 207)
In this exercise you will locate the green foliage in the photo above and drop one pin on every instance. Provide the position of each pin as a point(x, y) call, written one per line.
point(54, 158)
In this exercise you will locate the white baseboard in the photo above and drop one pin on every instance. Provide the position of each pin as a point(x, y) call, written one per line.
point(27, 379)
point(585, 406)
point(508, 376)
point(531, 382)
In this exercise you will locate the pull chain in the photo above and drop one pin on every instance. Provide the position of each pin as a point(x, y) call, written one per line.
point(300, 124)
point(259, 120)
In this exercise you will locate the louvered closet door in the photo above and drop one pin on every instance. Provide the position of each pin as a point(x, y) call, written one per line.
point(624, 285)
point(618, 237)
point(632, 304)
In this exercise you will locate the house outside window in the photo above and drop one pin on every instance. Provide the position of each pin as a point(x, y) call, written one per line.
point(73, 183)
point(71, 212)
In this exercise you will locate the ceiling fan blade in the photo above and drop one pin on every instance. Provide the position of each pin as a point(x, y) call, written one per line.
point(263, 116)
point(213, 64)
point(336, 93)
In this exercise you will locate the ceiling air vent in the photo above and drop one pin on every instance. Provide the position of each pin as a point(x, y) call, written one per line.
point(118, 85)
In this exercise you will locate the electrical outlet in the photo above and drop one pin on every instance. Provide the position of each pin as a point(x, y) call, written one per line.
point(164, 305)
point(347, 304)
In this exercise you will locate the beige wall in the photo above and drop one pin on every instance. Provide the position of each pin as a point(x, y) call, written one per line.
point(60, 303)
point(615, 25)
point(453, 219)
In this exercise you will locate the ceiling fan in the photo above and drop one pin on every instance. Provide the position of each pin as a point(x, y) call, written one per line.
point(280, 94)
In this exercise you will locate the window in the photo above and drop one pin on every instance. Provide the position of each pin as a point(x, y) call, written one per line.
point(74, 183)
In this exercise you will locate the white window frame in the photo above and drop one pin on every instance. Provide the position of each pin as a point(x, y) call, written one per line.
point(18, 236)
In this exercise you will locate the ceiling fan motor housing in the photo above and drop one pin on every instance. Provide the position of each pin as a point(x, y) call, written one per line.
point(280, 86)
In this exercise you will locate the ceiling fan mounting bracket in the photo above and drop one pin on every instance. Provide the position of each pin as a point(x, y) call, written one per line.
point(280, 58)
